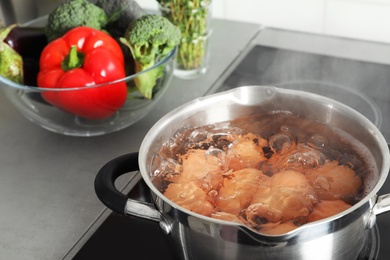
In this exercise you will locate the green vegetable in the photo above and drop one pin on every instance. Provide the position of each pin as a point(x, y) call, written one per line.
point(150, 38)
point(121, 13)
point(192, 17)
point(11, 63)
point(74, 13)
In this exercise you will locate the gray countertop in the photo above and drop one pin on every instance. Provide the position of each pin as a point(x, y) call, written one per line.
point(48, 207)
point(47, 202)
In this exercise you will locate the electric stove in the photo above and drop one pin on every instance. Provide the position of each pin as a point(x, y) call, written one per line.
point(364, 86)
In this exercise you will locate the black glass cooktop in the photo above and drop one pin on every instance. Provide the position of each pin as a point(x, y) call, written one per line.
point(124, 237)
point(362, 85)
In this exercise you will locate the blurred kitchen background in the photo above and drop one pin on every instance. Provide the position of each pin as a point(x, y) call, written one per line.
point(357, 19)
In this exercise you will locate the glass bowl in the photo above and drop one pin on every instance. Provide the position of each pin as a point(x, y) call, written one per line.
point(29, 101)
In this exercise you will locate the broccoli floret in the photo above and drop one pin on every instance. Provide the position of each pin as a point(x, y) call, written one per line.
point(74, 13)
point(121, 13)
point(150, 38)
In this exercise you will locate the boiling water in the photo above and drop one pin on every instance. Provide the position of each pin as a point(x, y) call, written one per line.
point(316, 144)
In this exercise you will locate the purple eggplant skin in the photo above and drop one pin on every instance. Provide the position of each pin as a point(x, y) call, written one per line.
point(29, 43)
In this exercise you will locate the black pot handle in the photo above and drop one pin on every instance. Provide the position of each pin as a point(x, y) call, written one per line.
point(105, 181)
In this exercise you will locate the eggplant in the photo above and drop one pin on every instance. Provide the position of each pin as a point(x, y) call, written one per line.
point(11, 63)
point(29, 43)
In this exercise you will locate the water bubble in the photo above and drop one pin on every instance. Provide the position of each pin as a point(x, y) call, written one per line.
point(235, 131)
point(253, 208)
point(302, 186)
point(214, 155)
point(226, 136)
point(317, 141)
point(183, 195)
point(258, 178)
point(307, 157)
point(281, 142)
point(169, 176)
point(197, 135)
point(205, 186)
point(213, 193)
point(311, 198)
point(222, 140)
point(284, 128)
point(167, 167)
point(228, 175)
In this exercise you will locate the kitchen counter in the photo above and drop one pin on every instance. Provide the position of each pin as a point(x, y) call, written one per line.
point(287, 59)
point(47, 202)
point(48, 207)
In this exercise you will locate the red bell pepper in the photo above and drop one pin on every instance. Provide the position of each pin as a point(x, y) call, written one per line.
point(83, 57)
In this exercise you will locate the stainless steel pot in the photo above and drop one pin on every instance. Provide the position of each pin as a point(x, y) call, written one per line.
point(198, 237)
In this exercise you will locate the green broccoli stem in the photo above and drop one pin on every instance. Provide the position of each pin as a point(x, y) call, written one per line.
point(192, 19)
point(146, 81)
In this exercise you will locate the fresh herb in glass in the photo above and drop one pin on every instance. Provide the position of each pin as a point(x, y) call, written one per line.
point(193, 18)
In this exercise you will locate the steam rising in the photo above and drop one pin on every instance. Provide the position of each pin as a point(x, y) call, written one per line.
point(343, 80)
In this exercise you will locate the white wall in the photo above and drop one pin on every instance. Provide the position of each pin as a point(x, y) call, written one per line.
point(360, 19)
